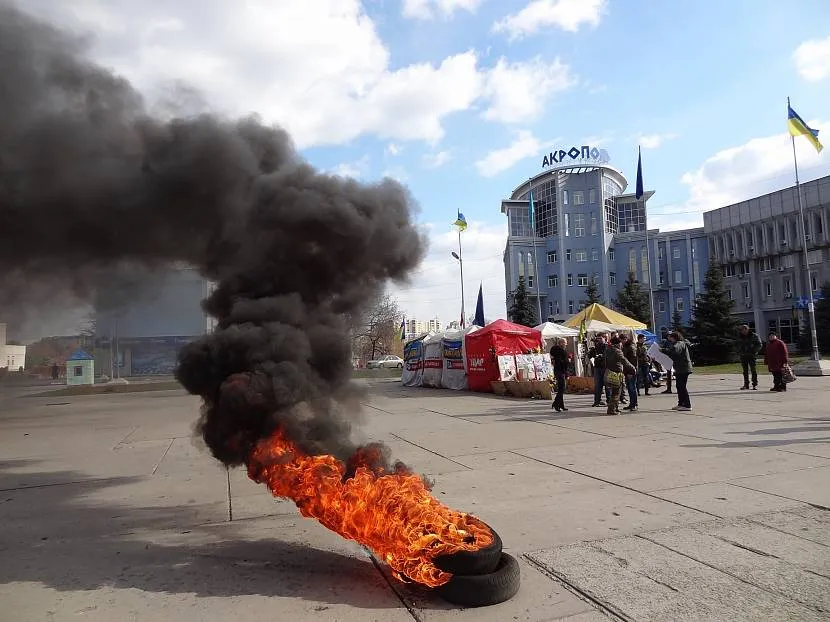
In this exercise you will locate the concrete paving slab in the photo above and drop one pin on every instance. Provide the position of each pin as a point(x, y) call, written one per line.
point(805, 522)
point(810, 485)
point(491, 459)
point(725, 500)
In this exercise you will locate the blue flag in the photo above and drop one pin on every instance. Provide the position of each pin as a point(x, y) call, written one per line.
point(531, 208)
point(479, 318)
point(639, 192)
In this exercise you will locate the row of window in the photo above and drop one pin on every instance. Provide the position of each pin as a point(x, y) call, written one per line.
point(679, 305)
point(578, 228)
point(581, 279)
point(771, 233)
point(578, 197)
point(579, 255)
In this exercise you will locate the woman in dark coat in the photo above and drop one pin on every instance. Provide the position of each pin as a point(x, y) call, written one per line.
point(775, 357)
point(559, 357)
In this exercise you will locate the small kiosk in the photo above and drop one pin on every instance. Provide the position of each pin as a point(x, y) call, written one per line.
point(80, 368)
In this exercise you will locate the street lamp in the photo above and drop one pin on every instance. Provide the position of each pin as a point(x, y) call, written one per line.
point(461, 268)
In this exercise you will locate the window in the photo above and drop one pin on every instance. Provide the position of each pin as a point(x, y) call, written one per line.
point(679, 304)
point(661, 306)
point(550, 309)
point(570, 280)
point(788, 261)
point(676, 252)
point(77, 371)
point(579, 225)
point(787, 285)
point(570, 306)
point(530, 281)
point(581, 255)
point(783, 234)
point(788, 330)
point(579, 197)
point(612, 278)
point(644, 265)
point(661, 278)
point(696, 274)
point(551, 256)
point(553, 280)
point(768, 289)
point(592, 196)
point(729, 270)
point(568, 255)
point(678, 277)
point(594, 254)
point(813, 282)
point(582, 280)
point(745, 287)
point(610, 254)
point(564, 197)
point(813, 256)
point(729, 293)
point(660, 253)
point(632, 261)
point(594, 229)
point(767, 264)
point(567, 225)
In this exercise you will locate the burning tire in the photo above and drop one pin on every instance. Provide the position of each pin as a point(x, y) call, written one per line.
point(486, 589)
point(481, 562)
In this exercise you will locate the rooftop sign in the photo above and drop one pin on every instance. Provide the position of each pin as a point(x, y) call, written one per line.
point(576, 156)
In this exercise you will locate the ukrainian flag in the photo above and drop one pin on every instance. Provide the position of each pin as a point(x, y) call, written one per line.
point(460, 222)
point(797, 127)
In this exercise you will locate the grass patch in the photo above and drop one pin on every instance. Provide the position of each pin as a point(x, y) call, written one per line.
point(104, 389)
point(376, 373)
point(735, 368)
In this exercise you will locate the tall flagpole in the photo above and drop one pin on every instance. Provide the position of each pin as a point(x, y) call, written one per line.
point(461, 267)
point(535, 257)
point(811, 308)
point(648, 249)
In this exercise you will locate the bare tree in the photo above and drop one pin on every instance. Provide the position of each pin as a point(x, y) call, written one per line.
point(377, 331)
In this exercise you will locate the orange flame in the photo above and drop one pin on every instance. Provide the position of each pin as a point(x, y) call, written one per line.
point(394, 515)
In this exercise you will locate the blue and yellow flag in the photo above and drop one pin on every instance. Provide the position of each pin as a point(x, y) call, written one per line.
point(798, 127)
point(530, 199)
point(460, 222)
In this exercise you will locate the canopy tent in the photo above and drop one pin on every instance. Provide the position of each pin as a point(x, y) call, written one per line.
point(484, 346)
point(550, 330)
point(454, 370)
point(413, 366)
point(596, 311)
point(433, 364)
point(650, 336)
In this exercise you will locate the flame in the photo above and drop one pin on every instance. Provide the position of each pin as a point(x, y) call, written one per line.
point(394, 514)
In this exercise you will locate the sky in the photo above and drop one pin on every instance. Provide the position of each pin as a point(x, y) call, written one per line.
point(460, 99)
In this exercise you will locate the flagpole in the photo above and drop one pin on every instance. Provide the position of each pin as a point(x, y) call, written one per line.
point(811, 309)
point(461, 267)
point(648, 249)
point(535, 257)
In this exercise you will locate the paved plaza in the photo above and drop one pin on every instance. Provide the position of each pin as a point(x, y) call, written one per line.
point(110, 510)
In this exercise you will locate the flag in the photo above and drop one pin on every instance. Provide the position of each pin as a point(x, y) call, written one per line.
point(582, 331)
point(479, 319)
point(639, 194)
point(403, 328)
point(460, 222)
point(797, 127)
point(530, 198)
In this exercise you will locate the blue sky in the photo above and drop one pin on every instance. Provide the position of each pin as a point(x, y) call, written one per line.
point(460, 99)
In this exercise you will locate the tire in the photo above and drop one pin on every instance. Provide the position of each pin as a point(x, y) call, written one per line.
point(400, 365)
point(484, 590)
point(481, 562)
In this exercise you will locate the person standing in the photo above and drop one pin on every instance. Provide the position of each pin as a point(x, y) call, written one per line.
point(678, 350)
point(559, 357)
point(748, 345)
point(629, 351)
point(643, 363)
point(616, 368)
point(775, 357)
point(597, 353)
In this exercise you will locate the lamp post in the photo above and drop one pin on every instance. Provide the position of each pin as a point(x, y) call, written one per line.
point(461, 268)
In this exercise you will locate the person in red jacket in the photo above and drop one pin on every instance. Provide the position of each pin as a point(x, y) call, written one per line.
point(775, 357)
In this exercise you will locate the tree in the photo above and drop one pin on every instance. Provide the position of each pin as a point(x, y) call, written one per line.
point(521, 309)
point(676, 320)
point(591, 293)
point(822, 320)
point(712, 327)
point(632, 300)
point(377, 331)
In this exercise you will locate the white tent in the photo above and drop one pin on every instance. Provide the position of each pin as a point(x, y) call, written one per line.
point(413, 361)
point(433, 362)
point(551, 331)
point(454, 358)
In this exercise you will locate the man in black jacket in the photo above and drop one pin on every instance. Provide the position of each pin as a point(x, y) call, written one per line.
point(597, 353)
point(748, 345)
point(559, 358)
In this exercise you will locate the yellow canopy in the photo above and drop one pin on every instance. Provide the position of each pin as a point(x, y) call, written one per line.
point(604, 314)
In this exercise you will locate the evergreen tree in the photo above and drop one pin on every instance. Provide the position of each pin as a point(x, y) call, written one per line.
point(822, 321)
point(591, 293)
point(632, 300)
point(713, 327)
point(676, 320)
point(522, 310)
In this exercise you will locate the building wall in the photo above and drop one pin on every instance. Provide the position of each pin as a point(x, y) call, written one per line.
point(13, 357)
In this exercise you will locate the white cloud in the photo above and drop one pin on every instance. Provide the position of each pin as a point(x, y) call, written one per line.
point(757, 167)
point(653, 141)
point(524, 146)
point(436, 160)
point(392, 149)
point(427, 9)
point(435, 288)
point(568, 15)
point(519, 91)
point(398, 173)
point(356, 169)
point(812, 59)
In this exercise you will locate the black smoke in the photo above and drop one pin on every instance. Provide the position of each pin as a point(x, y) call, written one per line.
point(90, 182)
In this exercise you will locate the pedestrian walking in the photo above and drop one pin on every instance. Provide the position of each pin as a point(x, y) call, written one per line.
point(678, 350)
point(616, 368)
point(629, 351)
point(559, 357)
point(667, 344)
point(776, 357)
point(597, 355)
point(643, 363)
point(748, 345)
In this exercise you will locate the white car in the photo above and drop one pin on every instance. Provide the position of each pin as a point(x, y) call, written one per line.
point(390, 361)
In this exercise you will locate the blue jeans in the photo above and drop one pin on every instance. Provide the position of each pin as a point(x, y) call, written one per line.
point(645, 376)
point(599, 383)
point(631, 385)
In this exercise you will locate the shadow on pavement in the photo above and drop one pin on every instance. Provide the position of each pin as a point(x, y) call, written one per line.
point(57, 536)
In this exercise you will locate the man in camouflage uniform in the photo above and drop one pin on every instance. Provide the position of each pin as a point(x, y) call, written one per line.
point(748, 345)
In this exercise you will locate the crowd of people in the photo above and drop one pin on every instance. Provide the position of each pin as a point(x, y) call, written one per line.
point(622, 367)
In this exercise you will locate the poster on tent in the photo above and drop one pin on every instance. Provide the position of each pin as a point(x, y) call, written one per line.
point(524, 367)
point(432, 362)
point(507, 367)
point(454, 375)
point(542, 366)
point(413, 369)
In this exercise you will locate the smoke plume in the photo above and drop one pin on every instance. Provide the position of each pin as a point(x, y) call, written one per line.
point(89, 181)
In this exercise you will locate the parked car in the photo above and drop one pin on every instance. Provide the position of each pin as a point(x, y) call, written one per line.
point(390, 361)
